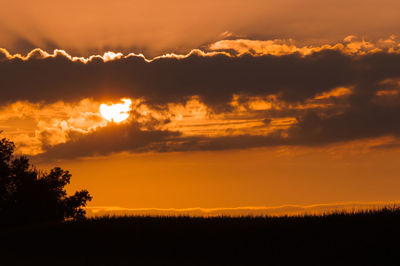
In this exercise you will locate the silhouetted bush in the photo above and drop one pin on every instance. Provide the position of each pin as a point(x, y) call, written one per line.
point(29, 195)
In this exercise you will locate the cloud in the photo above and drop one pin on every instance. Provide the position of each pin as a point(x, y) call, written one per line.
point(310, 130)
point(351, 45)
point(216, 100)
point(111, 139)
point(34, 125)
point(214, 78)
point(168, 132)
point(291, 210)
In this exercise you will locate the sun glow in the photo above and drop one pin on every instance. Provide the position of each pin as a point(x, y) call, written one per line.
point(116, 112)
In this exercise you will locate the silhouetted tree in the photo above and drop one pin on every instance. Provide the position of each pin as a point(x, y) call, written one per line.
point(30, 195)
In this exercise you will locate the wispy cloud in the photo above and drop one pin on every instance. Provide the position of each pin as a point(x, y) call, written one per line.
point(245, 210)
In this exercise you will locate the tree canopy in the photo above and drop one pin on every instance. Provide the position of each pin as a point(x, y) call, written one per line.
point(30, 195)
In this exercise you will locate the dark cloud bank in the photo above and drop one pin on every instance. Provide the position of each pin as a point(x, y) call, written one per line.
point(215, 79)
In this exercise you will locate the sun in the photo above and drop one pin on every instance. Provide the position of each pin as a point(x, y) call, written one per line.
point(116, 112)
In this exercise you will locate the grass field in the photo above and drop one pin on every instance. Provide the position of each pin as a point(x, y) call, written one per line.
point(360, 238)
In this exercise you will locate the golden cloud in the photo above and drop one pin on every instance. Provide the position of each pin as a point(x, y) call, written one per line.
point(351, 45)
point(34, 125)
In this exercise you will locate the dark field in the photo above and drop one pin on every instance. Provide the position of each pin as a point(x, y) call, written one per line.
point(363, 238)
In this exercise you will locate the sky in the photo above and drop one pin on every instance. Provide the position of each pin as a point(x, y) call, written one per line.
point(211, 107)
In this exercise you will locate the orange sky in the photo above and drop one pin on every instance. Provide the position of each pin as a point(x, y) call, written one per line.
point(261, 177)
point(155, 27)
point(232, 103)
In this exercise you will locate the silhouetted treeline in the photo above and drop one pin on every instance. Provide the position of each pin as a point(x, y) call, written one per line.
point(28, 195)
point(364, 238)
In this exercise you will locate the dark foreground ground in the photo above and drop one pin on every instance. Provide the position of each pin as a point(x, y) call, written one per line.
point(369, 238)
